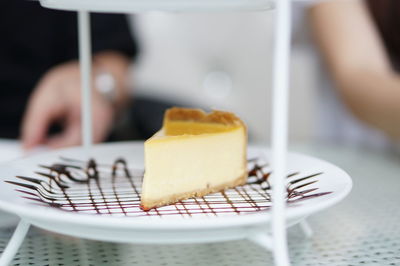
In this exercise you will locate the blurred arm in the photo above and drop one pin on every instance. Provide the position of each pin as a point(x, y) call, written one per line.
point(56, 98)
point(358, 63)
point(117, 65)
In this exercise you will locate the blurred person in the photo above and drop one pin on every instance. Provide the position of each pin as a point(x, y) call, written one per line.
point(360, 43)
point(40, 74)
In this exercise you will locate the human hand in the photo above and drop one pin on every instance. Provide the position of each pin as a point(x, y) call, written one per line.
point(57, 99)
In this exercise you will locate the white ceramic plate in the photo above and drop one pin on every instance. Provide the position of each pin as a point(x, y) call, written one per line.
point(202, 227)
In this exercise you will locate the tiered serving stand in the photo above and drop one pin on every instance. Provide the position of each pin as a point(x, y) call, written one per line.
point(276, 241)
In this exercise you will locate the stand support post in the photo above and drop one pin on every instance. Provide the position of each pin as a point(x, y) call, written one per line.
point(306, 228)
point(14, 243)
point(280, 129)
point(262, 239)
point(85, 60)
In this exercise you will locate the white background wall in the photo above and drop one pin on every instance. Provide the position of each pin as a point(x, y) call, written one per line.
point(221, 61)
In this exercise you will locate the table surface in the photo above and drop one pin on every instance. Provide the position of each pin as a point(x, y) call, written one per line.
point(361, 230)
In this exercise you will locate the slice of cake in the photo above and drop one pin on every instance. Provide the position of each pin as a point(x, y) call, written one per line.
point(194, 154)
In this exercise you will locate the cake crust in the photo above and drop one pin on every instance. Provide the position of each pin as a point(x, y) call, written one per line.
point(150, 204)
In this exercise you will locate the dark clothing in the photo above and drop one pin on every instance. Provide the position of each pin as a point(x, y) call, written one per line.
point(386, 15)
point(34, 39)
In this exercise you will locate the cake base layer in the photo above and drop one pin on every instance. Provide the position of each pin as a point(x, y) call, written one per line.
point(150, 204)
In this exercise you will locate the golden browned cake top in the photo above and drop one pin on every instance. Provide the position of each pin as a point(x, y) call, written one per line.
point(179, 121)
point(198, 115)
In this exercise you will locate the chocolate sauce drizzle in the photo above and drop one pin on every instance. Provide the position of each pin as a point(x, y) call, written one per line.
point(88, 187)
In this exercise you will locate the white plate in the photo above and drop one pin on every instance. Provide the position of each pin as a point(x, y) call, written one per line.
point(166, 229)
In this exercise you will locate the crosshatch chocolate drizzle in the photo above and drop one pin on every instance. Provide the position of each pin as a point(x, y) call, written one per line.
point(114, 190)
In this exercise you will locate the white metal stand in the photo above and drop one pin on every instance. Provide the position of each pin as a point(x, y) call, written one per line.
point(14, 243)
point(276, 242)
point(85, 60)
point(263, 240)
point(279, 136)
point(306, 228)
point(266, 240)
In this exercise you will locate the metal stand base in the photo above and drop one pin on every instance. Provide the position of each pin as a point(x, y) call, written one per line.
point(15, 242)
point(306, 228)
point(265, 240)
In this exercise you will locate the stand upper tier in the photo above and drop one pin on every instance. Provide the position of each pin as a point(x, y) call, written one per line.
point(135, 6)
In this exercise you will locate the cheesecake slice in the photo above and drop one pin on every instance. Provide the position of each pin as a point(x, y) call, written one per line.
point(194, 154)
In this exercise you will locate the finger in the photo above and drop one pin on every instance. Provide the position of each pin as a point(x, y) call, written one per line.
point(37, 119)
point(71, 136)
